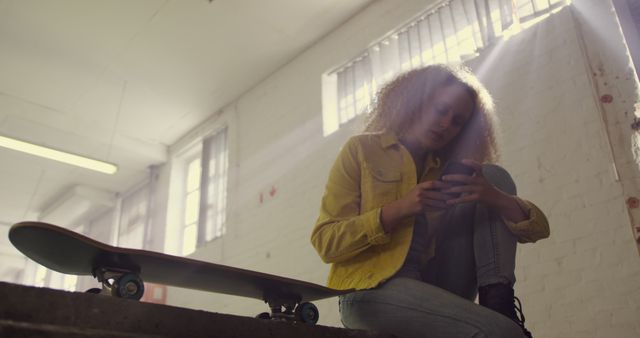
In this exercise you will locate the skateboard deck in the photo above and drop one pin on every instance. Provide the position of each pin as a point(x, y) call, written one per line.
point(122, 271)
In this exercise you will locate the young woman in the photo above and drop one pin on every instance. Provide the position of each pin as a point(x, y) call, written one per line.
point(419, 246)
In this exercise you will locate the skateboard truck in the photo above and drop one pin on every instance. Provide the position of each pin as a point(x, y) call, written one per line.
point(119, 283)
point(290, 309)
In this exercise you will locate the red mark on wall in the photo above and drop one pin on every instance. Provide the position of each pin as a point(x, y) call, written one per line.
point(606, 98)
point(633, 203)
point(266, 195)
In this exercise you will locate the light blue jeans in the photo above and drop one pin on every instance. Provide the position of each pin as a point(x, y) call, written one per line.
point(474, 249)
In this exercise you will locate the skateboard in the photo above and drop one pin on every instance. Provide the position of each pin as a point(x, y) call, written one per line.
point(121, 272)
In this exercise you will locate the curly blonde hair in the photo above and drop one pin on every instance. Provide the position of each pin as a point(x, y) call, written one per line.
point(400, 102)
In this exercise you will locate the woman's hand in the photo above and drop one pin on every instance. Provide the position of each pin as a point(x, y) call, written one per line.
point(474, 188)
point(477, 188)
point(424, 196)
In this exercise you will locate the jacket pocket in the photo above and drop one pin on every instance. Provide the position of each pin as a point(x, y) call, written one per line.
point(381, 186)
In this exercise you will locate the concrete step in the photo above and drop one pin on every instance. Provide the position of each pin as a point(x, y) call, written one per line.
point(40, 312)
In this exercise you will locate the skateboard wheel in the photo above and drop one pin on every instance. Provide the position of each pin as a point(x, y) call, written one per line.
point(307, 313)
point(264, 315)
point(129, 286)
point(94, 291)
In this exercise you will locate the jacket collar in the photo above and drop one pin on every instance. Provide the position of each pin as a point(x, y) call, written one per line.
point(388, 139)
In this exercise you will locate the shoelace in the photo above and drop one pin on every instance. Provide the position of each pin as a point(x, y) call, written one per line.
point(520, 316)
point(518, 307)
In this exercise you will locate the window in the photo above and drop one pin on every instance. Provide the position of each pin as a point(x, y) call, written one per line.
point(205, 193)
point(191, 206)
point(40, 278)
point(452, 31)
point(215, 185)
point(629, 15)
point(70, 282)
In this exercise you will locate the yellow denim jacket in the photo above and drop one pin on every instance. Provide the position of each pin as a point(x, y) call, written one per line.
point(371, 171)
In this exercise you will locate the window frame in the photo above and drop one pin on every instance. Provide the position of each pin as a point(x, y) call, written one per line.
point(201, 150)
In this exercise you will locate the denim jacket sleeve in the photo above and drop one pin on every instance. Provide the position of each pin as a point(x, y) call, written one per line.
point(534, 228)
point(343, 230)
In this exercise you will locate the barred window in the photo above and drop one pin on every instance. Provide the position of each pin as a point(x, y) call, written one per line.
point(205, 201)
point(453, 31)
point(214, 187)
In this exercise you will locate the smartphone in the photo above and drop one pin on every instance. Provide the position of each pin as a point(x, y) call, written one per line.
point(456, 168)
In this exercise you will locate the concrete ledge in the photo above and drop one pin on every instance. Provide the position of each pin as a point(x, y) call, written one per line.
point(39, 312)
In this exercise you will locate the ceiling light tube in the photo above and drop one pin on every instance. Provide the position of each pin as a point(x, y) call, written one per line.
point(57, 155)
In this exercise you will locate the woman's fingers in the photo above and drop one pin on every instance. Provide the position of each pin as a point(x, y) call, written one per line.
point(434, 199)
point(462, 199)
point(463, 189)
point(431, 203)
point(431, 194)
point(463, 194)
point(435, 195)
point(433, 185)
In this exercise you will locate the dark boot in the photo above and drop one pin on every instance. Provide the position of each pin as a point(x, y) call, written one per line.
point(499, 297)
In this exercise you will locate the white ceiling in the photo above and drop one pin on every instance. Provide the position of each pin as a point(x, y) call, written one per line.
point(120, 80)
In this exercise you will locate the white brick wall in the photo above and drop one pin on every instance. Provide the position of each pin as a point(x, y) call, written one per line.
point(578, 282)
point(583, 281)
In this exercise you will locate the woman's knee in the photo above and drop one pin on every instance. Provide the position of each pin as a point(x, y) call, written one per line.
point(499, 177)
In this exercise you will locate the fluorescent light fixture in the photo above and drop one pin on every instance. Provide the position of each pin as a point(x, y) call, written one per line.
point(57, 155)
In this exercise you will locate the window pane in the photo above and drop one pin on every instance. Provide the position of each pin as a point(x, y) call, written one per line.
point(69, 282)
point(192, 207)
point(525, 7)
point(189, 239)
point(41, 276)
point(193, 175)
point(217, 186)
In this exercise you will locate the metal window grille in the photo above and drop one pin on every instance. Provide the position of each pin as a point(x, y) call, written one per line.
point(213, 186)
point(452, 31)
